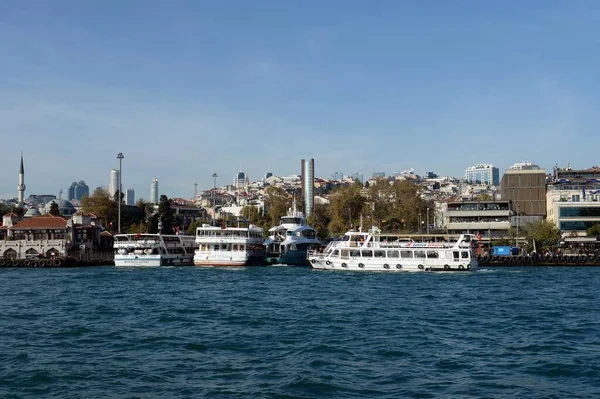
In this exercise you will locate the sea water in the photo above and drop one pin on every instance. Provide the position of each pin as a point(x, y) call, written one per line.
point(292, 332)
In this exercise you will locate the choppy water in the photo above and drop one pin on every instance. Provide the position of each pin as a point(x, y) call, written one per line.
point(299, 333)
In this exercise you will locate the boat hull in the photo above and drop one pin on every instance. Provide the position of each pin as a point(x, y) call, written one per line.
point(370, 265)
point(292, 258)
point(153, 261)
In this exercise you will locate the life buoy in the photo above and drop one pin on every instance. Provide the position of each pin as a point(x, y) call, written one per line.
point(447, 267)
point(361, 265)
point(398, 266)
point(21, 262)
point(56, 262)
point(34, 263)
point(468, 266)
point(386, 266)
point(27, 263)
point(344, 265)
point(461, 267)
point(2, 262)
point(328, 263)
point(421, 267)
point(42, 263)
point(312, 261)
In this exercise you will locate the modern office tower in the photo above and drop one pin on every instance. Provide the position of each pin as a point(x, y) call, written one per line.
point(77, 191)
point(130, 196)
point(154, 191)
point(113, 186)
point(337, 176)
point(358, 176)
point(21, 184)
point(483, 173)
point(240, 180)
point(71, 191)
point(525, 185)
point(308, 185)
point(378, 174)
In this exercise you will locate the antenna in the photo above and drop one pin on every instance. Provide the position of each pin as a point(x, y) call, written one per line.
point(195, 189)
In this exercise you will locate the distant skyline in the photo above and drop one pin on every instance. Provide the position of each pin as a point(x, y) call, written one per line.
point(192, 88)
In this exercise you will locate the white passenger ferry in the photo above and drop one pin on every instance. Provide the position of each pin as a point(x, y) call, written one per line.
point(375, 252)
point(229, 246)
point(154, 250)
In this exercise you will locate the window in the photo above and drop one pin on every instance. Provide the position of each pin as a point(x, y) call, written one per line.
point(393, 254)
point(406, 254)
point(379, 254)
point(367, 254)
point(420, 254)
point(464, 254)
point(433, 254)
point(354, 253)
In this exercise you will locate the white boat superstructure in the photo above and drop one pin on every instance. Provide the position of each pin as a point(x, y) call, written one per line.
point(375, 252)
point(290, 241)
point(154, 250)
point(229, 246)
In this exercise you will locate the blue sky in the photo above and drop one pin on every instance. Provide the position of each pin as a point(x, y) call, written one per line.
point(189, 88)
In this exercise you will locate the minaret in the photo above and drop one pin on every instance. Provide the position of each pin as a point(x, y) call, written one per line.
point(21, 185)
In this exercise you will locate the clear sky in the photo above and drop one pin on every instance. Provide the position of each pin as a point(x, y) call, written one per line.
point(189, 88)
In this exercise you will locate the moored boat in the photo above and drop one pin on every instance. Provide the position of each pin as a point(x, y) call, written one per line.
point(289, 242)
point(376, 252)
point(154, 250)
point(229, 246)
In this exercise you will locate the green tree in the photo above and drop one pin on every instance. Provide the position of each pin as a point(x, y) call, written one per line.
point(319, 220)
point(193, 226)
point(407, 205)
point(484, 197)
point(277, 202)
point(54, 209)
point(346, 207)
point(166, 215)
point(253, 215)
point(544, 232)
point(101, 205)
point(594, 230)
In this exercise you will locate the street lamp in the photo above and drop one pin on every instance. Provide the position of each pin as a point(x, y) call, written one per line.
point(120, 158)
point(214, 197)
point(517, 240)
point(427, 220)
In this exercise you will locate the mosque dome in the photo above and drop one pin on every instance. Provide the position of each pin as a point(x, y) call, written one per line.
point(66, 208)
point(31, 212)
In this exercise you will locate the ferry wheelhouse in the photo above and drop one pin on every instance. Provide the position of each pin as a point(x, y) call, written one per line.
point(154, 250)
point(229, 246)
point(375, 252)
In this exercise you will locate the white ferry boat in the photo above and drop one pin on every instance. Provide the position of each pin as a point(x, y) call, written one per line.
point(154, 250)
point(375, 252)
point(229, 246)
point(289, 242)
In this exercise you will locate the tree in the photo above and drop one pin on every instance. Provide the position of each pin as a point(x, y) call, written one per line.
point(319, 220)
point(543, 232)
point(594, 230)
point(347, 205)
point(253, 215)
point(166, 215)
point(484, 197)
point(101, 205)
point(54, 209)
point(193, 226)
point(277, 202)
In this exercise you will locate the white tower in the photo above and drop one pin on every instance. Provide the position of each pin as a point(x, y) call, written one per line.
point(21, 185)
point(308, 185)
point(113, 186)
point(154, 191)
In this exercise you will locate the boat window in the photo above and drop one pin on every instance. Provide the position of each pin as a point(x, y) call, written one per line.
point(336, 253)
point(448, 254)
point(393, 254)
point(367, 253)
point(433, 254)
point(464, 254)
point(419, 254)
point(354, 253)
point(344, 253)
point(455, 253)
point(379, 254)
point(406, 254)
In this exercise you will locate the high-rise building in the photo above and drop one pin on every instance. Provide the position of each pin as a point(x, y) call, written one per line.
point(525, 185)
point(308, 185)
point(130, 196)
point(154, 191)
point(483, 173)
point(113, 186)
point(80, 190)
point(358, 176)
point(378, 174)
point(240, 180)
point(71, 191)
point(337, 176)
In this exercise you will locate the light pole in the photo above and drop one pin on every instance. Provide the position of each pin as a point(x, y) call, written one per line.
point(214, 197)
point(518, 221)
point(420, 223)
point(120, 158)
point(427, 220)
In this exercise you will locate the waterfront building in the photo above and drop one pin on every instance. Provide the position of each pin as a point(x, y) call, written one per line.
point(483, 173)
point(488, 219)
point(113, 186)
point(130, 196)
point(21, 185)
point(154, 191)
point(240, 180)
point(524, 184)
point(573, 199)
point(308, 185)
